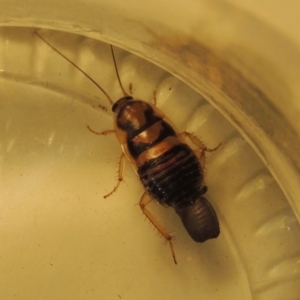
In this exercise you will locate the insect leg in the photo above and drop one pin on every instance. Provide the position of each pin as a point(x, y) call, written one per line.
point(120, 174)
point(197, 142)
point(200, 145)
point(145, 200)
point(105, 132)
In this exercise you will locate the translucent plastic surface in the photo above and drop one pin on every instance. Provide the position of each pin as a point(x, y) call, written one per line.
point(61, 239)
point(247, 69)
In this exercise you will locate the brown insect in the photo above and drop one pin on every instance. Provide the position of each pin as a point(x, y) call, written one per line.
point(170, 171)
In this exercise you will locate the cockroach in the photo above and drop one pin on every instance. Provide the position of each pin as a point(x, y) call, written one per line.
point(171, 172)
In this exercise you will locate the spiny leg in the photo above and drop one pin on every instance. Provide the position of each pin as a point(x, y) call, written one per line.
point(200, 145)
point(120, 174)
point(105, 132)
point(102, 107)
point(201, 156)
point(121, 162)
point(145, 200)
point(195, 140)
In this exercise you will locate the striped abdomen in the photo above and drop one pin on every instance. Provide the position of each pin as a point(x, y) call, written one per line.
point(174, 177)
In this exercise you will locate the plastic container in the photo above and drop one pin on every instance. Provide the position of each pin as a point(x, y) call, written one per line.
point(60, 238)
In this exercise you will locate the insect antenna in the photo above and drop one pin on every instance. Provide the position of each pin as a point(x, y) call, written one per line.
point(117, 72)
point(77, 67)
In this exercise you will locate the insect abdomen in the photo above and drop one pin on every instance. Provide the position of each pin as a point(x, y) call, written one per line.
point(173, 177)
